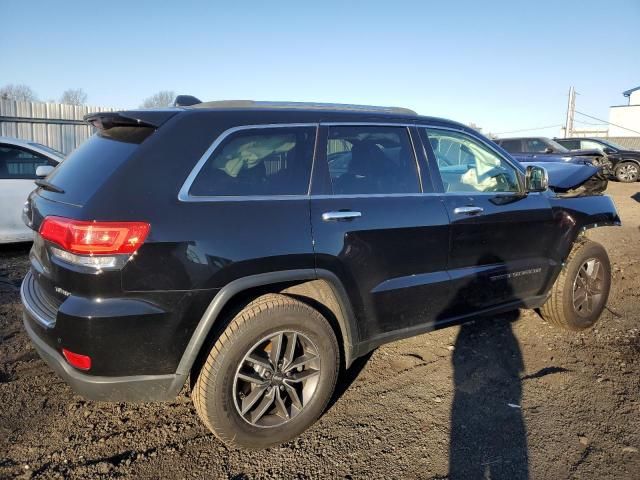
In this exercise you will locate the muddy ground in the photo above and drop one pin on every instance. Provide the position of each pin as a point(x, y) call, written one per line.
point(508, 397)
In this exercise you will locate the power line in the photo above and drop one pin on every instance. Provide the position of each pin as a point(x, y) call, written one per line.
point(529, 129)
point(608, 123)
point(589, 123)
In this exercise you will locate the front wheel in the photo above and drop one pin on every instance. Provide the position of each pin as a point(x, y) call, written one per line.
point(581, 291)
point(269, 375)
point(627, 172)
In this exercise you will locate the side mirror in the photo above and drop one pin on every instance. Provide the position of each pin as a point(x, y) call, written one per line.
point(43, 170)
point(536, 179)
point(549, 150)
point(608, 151)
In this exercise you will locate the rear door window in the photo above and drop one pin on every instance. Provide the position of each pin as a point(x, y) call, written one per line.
point(260, 161)
point(371, 160)
point(19, 163)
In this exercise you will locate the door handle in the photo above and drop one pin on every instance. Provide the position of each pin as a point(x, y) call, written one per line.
point(468, 210)
point(340, 215)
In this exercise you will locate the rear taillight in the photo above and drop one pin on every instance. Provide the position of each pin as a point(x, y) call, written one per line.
point(94, 238)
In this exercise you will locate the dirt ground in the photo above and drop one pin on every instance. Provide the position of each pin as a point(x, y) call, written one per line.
point(508, 397)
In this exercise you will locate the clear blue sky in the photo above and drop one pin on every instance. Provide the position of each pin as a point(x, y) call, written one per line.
point(504, 65)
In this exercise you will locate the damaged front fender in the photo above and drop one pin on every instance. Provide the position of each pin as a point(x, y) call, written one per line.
point(575, 215)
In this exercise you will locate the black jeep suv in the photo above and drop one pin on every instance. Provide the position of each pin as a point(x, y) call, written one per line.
point(258, 248)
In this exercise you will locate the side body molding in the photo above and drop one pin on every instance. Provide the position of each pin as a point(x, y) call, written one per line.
point(344, 317)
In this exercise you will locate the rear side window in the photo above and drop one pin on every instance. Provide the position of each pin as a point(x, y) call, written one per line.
point(19, 163)
point(261, 161)
point(93, 162)
point(371, 160)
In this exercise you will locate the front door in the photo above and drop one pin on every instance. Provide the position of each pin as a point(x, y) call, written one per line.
point(375, 229)
point(500, 236)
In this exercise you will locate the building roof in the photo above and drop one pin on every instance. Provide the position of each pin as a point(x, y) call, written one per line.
point(627, 93)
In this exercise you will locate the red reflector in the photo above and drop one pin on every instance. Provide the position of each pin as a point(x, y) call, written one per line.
point(101, 238)
point(81, 362)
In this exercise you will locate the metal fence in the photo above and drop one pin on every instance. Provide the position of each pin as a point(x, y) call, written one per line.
point(55, 125)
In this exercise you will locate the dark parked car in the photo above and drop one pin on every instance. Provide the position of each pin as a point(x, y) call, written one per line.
point(624, 163)
point(217, 242)
point(542, 149)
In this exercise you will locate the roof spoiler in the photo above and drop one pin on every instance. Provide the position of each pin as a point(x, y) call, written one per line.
point(132, 118)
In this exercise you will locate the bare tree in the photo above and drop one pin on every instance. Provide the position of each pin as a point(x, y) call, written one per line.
point(18, 92)
point(74, 96)
point(163, 98)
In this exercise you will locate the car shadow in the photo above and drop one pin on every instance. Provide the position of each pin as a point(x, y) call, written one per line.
point(347, 376)
point(488, 437)
point(636, 197)
point(488, 434)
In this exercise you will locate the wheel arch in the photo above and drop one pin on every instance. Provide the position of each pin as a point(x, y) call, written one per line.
point(629, 159)
point(309, 285)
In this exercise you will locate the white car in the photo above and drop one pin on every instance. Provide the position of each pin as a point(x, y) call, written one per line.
point(21, 163)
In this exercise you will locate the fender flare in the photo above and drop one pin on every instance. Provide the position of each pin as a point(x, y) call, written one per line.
point(347, 323)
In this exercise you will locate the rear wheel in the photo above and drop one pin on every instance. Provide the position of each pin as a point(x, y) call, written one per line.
point(269, 375)
point(581, 290)
point(627, 172)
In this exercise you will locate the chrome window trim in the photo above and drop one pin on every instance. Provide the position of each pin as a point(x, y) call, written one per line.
point(185, 196)
point(366, 124)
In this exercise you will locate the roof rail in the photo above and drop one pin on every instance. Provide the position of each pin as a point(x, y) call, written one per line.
point(231, 104)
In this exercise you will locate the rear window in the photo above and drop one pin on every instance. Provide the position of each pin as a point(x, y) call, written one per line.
point(84, 171)
point(264, 161)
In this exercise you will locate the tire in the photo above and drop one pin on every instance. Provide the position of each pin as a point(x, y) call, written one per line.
point(627, 172)
point(244, 350)
point(565, 307)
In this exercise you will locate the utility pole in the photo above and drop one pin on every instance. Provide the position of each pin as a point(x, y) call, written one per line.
point(571, 109)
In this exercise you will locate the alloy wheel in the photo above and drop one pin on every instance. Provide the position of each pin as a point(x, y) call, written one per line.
point(628, 173)
point(588, 287)
point(276, 379)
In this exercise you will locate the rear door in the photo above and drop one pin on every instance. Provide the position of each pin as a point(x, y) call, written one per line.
point(17, 173)
point(375, 227)
point(500, 237)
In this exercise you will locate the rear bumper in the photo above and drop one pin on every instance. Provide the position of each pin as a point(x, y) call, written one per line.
point(138, 388)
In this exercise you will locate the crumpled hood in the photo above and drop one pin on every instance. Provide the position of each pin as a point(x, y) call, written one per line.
point(565, 177)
